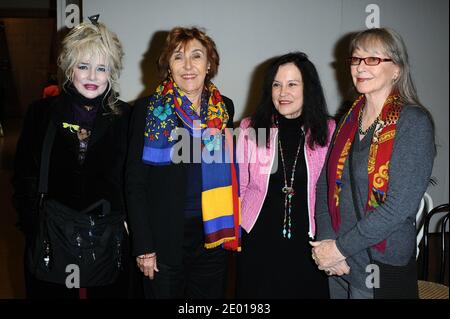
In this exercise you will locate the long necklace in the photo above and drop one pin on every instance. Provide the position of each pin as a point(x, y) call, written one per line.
point(288, 191)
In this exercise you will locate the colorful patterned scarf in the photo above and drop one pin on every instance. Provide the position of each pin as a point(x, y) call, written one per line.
point(220, 187)
point(379, 156)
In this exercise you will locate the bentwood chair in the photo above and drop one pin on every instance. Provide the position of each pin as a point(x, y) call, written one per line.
point(428, 289)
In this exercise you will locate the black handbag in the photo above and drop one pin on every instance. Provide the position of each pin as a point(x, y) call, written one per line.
point(67, 242)
point(396, 282)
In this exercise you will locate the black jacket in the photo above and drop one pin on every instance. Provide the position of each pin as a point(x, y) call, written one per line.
point(100, 177)
point(156, 195)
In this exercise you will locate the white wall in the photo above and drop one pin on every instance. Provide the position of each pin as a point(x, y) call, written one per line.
point(248, 32)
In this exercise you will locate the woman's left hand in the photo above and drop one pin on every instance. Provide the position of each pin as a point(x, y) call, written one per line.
point(340, 269)
point(326, 254)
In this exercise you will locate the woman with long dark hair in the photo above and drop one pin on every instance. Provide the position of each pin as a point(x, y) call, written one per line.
point(288, 136)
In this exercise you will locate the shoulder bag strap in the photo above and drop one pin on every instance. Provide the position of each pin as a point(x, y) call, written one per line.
point(45, 160)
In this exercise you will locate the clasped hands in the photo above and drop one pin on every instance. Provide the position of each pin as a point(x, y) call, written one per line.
point(328, 258)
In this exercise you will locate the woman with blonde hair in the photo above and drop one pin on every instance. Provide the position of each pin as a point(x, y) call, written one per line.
point(70, 162)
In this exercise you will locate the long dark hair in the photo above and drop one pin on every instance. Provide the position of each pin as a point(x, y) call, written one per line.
point(314, 113)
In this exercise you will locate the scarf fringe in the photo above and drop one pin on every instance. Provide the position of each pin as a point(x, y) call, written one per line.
point(223, 241)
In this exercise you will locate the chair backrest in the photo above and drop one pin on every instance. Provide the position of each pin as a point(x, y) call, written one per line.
point(425, 206)
point(444, 245)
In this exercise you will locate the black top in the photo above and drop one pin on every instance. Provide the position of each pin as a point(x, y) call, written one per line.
point(290, 136)
point(193, 206)
point(270, 265)
point(72, 183)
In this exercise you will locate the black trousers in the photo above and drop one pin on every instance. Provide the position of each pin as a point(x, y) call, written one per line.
point(202, 274)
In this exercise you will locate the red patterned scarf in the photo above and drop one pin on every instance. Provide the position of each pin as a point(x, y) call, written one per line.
point(379, 157)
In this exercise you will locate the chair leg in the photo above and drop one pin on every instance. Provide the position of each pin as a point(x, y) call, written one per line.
point(443, 250)
point(425, 252)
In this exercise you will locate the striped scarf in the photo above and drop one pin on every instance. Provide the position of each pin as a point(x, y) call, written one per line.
point(220, 186)
point(378, 163)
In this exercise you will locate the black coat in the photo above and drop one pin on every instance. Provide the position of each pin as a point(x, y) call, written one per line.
point(101, 176)
point(156, 195)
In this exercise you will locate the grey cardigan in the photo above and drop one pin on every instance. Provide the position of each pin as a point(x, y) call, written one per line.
point(409, 174)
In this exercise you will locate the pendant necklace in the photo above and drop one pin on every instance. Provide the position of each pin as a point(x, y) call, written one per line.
point(360, 130)
point(288, 190)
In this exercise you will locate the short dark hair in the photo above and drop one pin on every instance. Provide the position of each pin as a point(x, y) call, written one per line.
point(314, 113)
point(180, 35)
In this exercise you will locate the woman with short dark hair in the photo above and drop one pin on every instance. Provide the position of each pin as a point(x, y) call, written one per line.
point(183, 209)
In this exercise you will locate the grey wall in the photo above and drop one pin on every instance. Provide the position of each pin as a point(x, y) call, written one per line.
point(248, 32)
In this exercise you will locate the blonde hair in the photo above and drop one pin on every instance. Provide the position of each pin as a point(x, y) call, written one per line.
point(93, 39)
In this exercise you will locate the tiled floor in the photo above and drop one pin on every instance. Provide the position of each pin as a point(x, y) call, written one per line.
point(11, 240)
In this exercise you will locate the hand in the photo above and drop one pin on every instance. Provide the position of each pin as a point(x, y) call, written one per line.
point(326, 254)
point(147, 264)
point(341, 268)
point(83, 134)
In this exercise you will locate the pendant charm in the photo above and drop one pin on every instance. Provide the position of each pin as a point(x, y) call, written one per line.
point(288, 190)
point(287, 233)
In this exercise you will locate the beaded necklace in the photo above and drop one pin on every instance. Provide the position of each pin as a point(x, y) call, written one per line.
point(288, 190)
point(360, 124)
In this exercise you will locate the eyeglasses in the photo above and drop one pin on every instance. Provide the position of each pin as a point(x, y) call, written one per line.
point(371, 60)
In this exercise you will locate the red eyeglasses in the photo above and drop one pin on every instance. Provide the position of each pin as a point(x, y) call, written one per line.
point(371, 60)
